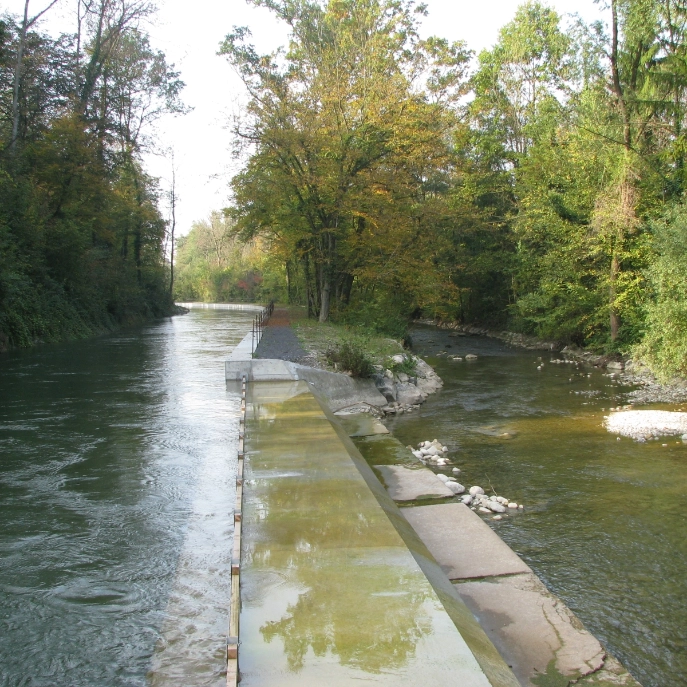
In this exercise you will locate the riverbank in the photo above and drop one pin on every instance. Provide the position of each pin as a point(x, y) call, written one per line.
point(76, 327)
point(628, 372)
point(404, 380)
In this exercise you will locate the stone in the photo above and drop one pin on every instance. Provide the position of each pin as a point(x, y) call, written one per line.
point(476, 490)
point(409, 394)
point(496, 507)
point(443, 478)
point(432, 451)
point(615, 365)
point(408, 484)
point(467, 499)
point(502, 500)
point(512, 505)
point(534, 631)
point(470, 356)
point(456, 471)
point(462, 543)
point(455, 487)
point(402, 377)
point(482, 509)
point(398, 359)
point(498, 517)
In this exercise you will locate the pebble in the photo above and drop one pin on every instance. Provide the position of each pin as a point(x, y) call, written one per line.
point(456, 471)
point(482, 509)
point(512, 504)
point(502, 500)
point(496, 507)
point(470, 356)
point(476, 490)
point(467, 499)
point(497, 517)
point(455, 487)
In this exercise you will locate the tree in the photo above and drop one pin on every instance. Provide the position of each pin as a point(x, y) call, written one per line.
point(336, 135)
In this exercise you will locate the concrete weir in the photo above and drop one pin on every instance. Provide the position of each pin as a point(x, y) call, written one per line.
point(336, 587)
point(339, 586)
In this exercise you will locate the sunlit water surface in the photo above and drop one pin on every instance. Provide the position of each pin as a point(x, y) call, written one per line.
point(605, 521)
point(116, 490)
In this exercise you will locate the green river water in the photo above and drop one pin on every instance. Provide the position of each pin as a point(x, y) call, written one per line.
point(117, 483)
point(605, 521)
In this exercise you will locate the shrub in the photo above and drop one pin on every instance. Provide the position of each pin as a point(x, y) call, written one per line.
point(350, 357)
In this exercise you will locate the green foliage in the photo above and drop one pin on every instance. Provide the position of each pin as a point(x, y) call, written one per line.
point(350, 357)
point(81, 236)
point(214, 266)
point(664, 346)
point(408, 365)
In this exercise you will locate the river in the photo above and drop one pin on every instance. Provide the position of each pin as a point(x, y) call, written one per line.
point(116, 493)
point(605, 521)
point(116, 489)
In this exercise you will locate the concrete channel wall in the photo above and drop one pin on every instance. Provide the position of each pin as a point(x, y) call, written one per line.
point(327, 557)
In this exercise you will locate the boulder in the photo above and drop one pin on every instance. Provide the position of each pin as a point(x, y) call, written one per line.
point(476, 490)
point(409, 394)
point(496, 507)
point(455, 487)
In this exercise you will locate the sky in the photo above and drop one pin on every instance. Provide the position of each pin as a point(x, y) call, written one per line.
point(189, 33)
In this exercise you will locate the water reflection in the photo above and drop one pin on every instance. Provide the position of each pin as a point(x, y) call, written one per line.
point(104, 446)
point(328, 587)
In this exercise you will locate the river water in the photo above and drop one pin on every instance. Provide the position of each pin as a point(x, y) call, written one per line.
point(605, 521)
point(116, 493)
point(117, 484)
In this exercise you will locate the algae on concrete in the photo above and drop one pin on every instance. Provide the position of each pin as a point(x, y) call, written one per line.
point(331, 592)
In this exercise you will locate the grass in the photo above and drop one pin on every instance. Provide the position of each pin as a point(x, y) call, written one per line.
point(318, 338)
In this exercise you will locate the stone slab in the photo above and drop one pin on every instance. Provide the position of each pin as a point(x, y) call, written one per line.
point(411, 484)
point(361, 425)
point(537, 634)
point(462, 543)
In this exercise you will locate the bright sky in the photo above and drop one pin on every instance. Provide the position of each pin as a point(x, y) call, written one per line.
point(190, 32)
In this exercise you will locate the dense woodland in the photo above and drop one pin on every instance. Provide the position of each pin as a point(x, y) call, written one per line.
point(537, 186)
point(81, 234)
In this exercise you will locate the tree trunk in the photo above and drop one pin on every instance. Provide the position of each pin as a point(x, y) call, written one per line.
point(173, 203)
point(326, 294)
point(615, 317)
point(17, 78)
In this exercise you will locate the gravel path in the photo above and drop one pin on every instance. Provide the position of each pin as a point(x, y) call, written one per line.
point(279, 340)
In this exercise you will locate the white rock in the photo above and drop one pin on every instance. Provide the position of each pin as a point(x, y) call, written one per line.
point(467, 499)
point(443, 478)
point(482, 509)
point(455, 487)
point(470, 356)
point(512, 505)
point(520, 506)
point(432, 451)
point(398, 359)
point(456, 471)
point(497, 517)
point(502, 500)
point(417, 454)
point(476, 490)
point(496, 507)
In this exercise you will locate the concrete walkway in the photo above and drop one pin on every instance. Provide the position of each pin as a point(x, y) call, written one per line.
point(336, 588)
